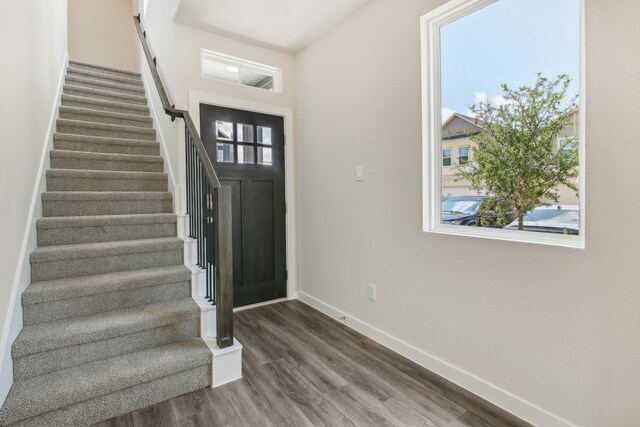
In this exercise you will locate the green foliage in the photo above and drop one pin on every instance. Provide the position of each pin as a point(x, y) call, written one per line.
point(495, 213)
point(516, 156)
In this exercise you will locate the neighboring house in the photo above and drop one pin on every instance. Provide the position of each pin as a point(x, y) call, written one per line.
point(457, 147)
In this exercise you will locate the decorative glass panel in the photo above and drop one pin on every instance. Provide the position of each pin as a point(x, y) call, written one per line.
point(224, 131)
point(264, 156)
point(224, 153)
point(245, 154)
point(245, 133)
point(264, 135)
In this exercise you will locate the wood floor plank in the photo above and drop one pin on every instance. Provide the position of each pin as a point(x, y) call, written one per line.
point(303, 368)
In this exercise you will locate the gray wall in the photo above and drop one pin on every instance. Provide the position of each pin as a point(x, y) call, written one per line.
point(555, 327)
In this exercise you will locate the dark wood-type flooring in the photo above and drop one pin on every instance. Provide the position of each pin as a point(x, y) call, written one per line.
point(302, 368)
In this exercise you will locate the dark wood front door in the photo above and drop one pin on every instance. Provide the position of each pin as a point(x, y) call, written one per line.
point(247, 150)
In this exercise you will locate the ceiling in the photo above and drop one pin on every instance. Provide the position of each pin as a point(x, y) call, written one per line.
point(284, 25)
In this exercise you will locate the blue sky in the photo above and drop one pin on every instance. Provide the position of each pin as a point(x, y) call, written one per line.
point(490, 47)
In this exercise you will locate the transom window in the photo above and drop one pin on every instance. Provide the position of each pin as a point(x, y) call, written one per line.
point(235, 143)
point(219, 66)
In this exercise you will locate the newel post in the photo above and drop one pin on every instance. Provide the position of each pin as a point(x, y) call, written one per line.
point(224, 267)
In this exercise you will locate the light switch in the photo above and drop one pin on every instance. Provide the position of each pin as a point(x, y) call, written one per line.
point(359, 173)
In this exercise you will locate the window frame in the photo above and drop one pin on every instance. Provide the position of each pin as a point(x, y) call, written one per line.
point(450, 157)
point(430, 25)
point(468, 156)
point(242, 64)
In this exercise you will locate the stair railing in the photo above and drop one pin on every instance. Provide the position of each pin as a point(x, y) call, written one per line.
point(209, 209)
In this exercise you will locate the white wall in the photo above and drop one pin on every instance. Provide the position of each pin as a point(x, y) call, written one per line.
point(101, 32)
point(555, 327)
point(33, 42)
point(177, 48)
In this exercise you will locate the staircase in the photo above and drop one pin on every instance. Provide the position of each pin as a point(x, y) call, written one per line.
point(109, 324)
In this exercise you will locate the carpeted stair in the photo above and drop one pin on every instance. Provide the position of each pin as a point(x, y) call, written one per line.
point(109, 324)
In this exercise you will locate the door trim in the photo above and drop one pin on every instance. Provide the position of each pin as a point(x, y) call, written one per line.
point(196, 98)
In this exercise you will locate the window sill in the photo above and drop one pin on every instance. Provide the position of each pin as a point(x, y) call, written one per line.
point(550, 239)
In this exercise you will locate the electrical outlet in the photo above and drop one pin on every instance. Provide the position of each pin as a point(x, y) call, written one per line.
point(371, 291)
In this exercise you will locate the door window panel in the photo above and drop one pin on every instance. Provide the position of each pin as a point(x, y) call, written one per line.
point(224, 153)
point(245, 155)
point(264, 156)
point(245, 133)
point(224, 131)
point(264, 135)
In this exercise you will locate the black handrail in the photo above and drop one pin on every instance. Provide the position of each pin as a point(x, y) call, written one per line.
point(209, 209)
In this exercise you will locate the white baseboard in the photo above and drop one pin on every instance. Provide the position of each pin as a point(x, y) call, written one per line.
point(13, 321)
point(499, 397)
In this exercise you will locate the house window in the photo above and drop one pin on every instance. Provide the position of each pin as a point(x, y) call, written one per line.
point(219, 66)
point(446, 157)
point(463, 155)
point(566, 145)
point(503, 162)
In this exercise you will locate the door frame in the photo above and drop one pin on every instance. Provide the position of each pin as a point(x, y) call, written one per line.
point(196, 98)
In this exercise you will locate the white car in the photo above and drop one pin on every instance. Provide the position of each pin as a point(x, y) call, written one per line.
point(560, 219)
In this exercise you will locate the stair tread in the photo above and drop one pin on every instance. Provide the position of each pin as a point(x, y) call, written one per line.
point(96, 327)
point(109, 114)
point(75, 287)
point(83, 80)
point(104, 220)
point(98, 249)
point(105, 126)
point(100, 174)
point(91, 155)
point(105, 195)
point(103, 139)
point(104, 102)
point(101, 67)
point(96, 74)
point(60, 389)
point(93, 91)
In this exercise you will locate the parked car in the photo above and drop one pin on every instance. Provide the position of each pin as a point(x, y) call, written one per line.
point(461, 210)
point(560, 219)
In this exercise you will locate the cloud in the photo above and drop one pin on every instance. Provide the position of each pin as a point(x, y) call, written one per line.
point(480, 97)
point(500, 100)
point(446, 113)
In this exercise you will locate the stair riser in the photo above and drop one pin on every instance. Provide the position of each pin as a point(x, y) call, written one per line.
point(111, 96)
point(105, 71)
point(88, 305)
point(99, 147)
point(121, 108)
point(104, 165)
point(105, 85)
point(115, 133)
point(104, 233)
point(52, 208)
point(107, 78)
point(78, 267)
point(84, 184)
point(106, 120)
point(54, 360)
point(124, 401)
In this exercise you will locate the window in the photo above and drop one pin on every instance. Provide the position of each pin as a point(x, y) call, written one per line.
point(236, 144)
point(521, 75)
point(566, 144)
point(446, 157)
point(463, 155)
point(230, 69)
